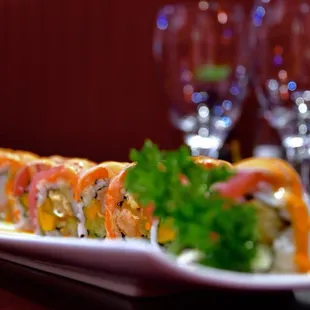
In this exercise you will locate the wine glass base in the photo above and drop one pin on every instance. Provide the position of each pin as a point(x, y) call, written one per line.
point(205, 146)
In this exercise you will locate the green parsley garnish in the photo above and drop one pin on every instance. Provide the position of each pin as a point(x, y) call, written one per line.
point(222, 230)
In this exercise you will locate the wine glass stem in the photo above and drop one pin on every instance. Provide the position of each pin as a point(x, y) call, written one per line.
point(305, 174)
point(301, 165)
point(214, 153)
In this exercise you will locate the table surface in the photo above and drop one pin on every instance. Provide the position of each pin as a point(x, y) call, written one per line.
point(25, 288)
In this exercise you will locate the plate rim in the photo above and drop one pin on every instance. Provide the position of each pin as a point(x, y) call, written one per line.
point(167, 264)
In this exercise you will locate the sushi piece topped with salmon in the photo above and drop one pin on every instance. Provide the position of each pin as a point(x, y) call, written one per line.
point(91, 193)
point(10, 163)
point(53, 209)
point(21, 186)
point(283, 214)
point(123, 215)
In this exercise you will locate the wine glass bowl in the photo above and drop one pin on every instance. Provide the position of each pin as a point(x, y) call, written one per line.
point(202, 55)
point(281, 29)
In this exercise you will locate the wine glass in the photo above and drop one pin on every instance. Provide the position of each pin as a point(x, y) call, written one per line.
point(202, 53)
point(281, 49)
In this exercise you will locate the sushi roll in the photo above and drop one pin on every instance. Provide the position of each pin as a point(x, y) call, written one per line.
point(22, 181)
point(10, 163)
point(276, 191)
point(90, 193)
point(53, 210)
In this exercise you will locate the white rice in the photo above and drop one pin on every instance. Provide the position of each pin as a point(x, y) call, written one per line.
point(87, 196)
point(24, 221)
point(284, 248)
point(81, 230)
point(284, 252)
point(54, 233)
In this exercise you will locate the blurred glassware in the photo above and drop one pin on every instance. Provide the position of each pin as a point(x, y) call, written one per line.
point(281, 49)
point(202, 53)
point(266, 141)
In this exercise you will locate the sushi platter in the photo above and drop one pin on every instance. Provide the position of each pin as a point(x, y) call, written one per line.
point(161, 223)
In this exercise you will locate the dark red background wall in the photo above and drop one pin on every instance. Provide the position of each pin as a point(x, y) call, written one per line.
point(77, 77)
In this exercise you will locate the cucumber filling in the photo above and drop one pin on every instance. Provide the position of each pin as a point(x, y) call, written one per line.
point(94, 220)
point(3, 197)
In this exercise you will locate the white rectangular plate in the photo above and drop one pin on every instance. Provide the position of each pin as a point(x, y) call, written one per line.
point(132, 267)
